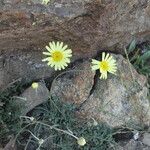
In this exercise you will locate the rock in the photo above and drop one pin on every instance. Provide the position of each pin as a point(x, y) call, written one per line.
point(23, 66)
point(11, 144)
point(146, 139)
point(115, 146)
point(117, 101)
point(74, 86)
point(135, 145)
point(87, 26)
point(34, 97)
point(120, 99)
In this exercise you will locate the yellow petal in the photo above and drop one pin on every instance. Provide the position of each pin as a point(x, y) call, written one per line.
point(110, 59)
point(68, 51)
point(95, 62)
point(107, 56)
point(95, 67)
point(55, 67)
point(52, 47)
point(47, 53)
point(57, 44)
point(67, 60)
point(64, 48)
point(103, 56)
point(61, 45)
point(46, 59)
point(103, 75)
point(48, 48)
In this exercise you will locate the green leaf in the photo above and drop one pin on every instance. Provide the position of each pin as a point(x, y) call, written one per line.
point(132, 46)
point(145, 56)
point(146, 69)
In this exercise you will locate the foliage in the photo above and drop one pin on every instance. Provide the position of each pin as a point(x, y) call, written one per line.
point(9, 112)
point(56, 114)
point(54, 125)
point(140, 58)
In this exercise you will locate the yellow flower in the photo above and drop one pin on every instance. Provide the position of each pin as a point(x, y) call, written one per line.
point(58, 55)
point(35, 85)
point(108, 64)
point(45, 2)
point(81, 141)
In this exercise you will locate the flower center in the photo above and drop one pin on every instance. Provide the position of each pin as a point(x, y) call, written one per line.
point(57, 56)
point(104, 66)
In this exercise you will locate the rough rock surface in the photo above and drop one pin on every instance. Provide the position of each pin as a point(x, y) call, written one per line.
point(87, 26)
point(134, 145)
point(11, 145)
point(74, 86)
point(34, 97)
point(23, 66)
point(119, 100)
point(146, 139)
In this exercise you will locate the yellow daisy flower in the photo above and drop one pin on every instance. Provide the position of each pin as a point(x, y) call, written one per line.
point(108, 64)
point(58, 55)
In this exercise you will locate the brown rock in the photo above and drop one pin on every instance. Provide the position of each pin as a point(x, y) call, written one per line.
point(87, 26)
point(75, 85)
point(120, 99)
point(23, 66)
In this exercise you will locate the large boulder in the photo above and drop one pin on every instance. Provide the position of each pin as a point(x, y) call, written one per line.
point(119, 100)
point(87, 26)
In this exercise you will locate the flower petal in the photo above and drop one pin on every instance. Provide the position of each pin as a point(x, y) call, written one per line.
point(104, 75)
point(107, 56)
point(47, 53)
point(68, 51)
point(57, 44)
point(52, 46)
point(67, 60)
point(65, 47)
point(46, 59)
point(95, 62)
point(48, 48)
point(103, 56)
point(95, 67)
point(61, 45)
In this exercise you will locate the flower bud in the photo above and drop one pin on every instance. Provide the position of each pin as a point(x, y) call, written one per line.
point(35, 85)
point(81, 141)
